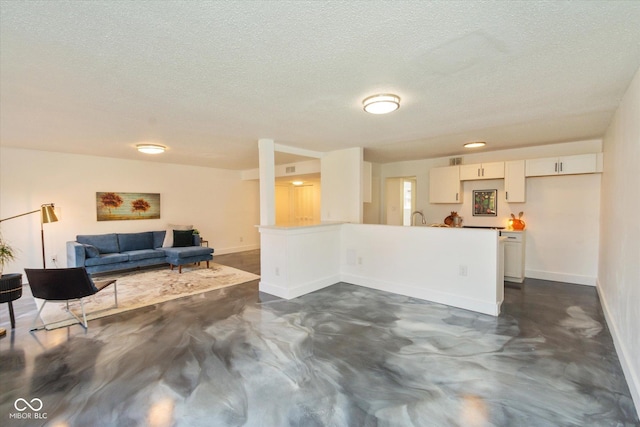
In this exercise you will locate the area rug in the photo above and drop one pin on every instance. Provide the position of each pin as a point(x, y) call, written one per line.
point(140, 289)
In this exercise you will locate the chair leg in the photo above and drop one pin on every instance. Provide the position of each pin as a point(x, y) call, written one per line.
point(84, 315)
point(115, 292)
point(83, 321)
point(35, 320)
point(180, 268)
point(207, 264)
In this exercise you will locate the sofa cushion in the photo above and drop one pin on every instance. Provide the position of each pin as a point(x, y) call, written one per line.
point(176, 253)
point(158, 238)
point(106, 259)
point(135, 241)
point(106, 243)
point(182, 239)
point(91, 251)
point(145, 254)
point(168, 238)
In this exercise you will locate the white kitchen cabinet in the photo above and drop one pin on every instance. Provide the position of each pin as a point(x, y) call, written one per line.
point(514, 246)
point(567, 165)
point(494, 170)
point(444, 185)
point(514, 181)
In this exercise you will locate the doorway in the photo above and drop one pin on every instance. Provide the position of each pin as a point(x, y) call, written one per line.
point(400, 200)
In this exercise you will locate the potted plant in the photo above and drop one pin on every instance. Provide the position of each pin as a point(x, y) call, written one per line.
point(6, 254)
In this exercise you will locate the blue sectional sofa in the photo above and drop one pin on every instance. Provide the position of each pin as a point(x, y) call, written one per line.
point(101, 253)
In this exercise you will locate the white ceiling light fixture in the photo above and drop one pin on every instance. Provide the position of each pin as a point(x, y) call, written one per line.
point(151, 148)
point(475, 144)
point(381, 104)
point(297, 182)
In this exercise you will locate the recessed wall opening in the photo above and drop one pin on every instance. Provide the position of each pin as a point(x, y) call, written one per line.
point(298, 199)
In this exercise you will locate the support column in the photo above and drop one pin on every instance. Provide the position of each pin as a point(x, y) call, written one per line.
point(266, 150)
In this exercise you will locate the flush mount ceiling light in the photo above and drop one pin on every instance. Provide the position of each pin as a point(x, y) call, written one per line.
point(475, 144)
point(151, 148)
point(297, 182)
point(381, 104)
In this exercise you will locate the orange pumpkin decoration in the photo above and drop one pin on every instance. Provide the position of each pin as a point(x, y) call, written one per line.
point(517, 223)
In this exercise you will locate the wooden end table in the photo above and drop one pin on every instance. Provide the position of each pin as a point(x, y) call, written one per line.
point(10, 290)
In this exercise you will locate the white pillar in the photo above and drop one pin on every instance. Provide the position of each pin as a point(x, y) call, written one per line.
point(267, 163)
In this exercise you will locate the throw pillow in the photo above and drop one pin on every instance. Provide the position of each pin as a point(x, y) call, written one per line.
point(91, 251)
point(182, 238)
point(168, 237)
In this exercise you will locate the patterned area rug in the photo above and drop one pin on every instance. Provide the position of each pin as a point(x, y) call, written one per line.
point(140, 289)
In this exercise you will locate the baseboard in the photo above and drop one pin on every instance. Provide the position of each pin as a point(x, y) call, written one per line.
point(235, 249)
point(294, 292)
point(561, 277)
point(632, 377)
point(490, 308)
point(271, 289)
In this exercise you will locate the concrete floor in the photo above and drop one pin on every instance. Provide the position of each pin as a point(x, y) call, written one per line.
point(342, 356)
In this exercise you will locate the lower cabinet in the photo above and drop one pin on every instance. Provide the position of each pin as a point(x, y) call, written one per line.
point(514, 245)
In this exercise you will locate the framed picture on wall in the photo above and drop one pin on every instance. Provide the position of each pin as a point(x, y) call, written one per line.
point(112, 206)
point(485, 202)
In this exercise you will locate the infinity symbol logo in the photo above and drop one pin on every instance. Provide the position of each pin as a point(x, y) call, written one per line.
point(37, 404)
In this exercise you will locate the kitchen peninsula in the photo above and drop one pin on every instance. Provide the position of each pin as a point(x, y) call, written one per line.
point(460, 267)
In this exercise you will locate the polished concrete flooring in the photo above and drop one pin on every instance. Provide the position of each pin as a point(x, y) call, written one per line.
point(342, 356)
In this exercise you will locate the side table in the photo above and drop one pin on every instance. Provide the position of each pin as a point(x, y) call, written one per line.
point(203, 243)
point(10, 290)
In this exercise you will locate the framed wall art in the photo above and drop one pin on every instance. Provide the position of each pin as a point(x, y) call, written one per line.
point(112, 206)
point(485, 202)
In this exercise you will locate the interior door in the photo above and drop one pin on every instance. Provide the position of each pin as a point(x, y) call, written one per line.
point(394, 201)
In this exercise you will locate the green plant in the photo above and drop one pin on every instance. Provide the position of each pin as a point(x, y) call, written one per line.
point(6, 253)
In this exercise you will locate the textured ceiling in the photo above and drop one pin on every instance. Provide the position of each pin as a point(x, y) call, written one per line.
point(208, 79)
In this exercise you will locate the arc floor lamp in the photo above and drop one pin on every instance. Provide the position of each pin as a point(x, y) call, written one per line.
point(47, 215)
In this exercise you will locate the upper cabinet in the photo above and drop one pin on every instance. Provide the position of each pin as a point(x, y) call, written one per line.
point(492, 170)
point(514, 181)
point(445, 185)
point(567, 165)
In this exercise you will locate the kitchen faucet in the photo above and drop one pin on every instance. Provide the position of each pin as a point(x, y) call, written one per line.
point(424, 221)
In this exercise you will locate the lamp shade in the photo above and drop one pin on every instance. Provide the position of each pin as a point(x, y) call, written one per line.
point(48, 214)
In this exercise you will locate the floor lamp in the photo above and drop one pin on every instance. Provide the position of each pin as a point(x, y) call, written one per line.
point(48, 214)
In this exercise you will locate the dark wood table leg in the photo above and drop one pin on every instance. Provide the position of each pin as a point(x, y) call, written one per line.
point(13, 317)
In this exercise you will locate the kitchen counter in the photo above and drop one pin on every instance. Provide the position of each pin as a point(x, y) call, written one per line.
point(457, 268)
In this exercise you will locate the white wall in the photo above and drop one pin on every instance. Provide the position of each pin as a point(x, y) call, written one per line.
point(296, 261)
point(619, 267)
point(457, 267)
point(223, 207)
point(561, 213)
point(371, 211)
point(341, 185)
